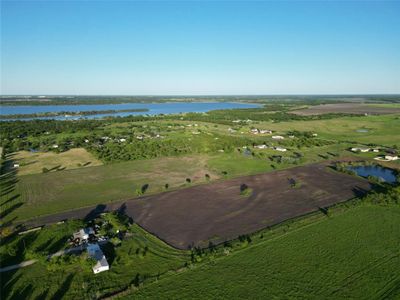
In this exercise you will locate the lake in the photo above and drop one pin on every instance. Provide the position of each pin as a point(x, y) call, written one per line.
point(153, 109)
point(382, 173)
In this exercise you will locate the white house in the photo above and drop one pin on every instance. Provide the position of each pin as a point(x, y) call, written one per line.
point(55, 146)
point(265, 131)
point(280, 149)
point(95, 252)
point(278, 137)
point(391, 157)
point(122, 140)
point(83, 234)
point(360, 149)
point(262, 146)
point(314, 134)
point(254, 131)
point(16, 165)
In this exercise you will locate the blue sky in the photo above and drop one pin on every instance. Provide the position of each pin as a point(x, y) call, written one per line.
point(220, 47)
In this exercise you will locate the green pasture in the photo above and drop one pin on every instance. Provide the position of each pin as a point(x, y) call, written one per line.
point(354, 255)
point(382, 130)
point(27, 196)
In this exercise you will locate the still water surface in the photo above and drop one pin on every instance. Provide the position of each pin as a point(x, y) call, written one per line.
point(153, 108)
point(382, 173)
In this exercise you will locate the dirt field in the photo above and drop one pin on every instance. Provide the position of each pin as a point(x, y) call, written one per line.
point(218, 211)
point(348, 108)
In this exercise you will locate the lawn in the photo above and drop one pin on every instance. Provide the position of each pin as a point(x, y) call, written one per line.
point(34, 162)
point(238, 164)
point(39, 194)
point(382, 130)
point(353, 255)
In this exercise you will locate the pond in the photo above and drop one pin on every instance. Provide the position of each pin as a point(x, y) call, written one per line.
point(153, 109)
point(384, 174)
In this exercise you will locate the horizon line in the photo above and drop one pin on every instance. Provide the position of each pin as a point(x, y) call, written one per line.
point(200, 95)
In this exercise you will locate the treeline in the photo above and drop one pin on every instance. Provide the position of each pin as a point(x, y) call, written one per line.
point(70, 113)
point(254, 114)
point(307, 99)
point(151, 148)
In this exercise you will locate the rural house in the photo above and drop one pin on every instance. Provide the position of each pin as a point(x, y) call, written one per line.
point(265, 131)
point(280, 149)
point(278, 137)
point(83, 234)
point(354, 149)
point(95, 252)
point(254, 131)
point(391, 157)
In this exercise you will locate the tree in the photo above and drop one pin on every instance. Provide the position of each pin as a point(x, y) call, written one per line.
point(136, 281)
point(166, 186)
point(243, 187)
point(144, 188)
point(207, 177)
point(188, 180)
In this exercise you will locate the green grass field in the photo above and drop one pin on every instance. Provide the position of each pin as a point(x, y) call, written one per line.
point(382, 130)
point(40, 194)
point(237, 164)
point(353, 255)
point(388, 105)
point(33, 163)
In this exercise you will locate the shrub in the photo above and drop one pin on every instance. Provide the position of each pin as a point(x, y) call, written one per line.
point(245, 190)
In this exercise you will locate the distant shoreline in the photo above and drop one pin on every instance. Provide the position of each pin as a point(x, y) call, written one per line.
point(254, 99)
point(70, 113)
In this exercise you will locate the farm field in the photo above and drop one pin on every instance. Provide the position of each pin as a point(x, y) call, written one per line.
point(348, 108)
point(182, 218)
point(33, 163)
point(28, 196)
point(353, 255)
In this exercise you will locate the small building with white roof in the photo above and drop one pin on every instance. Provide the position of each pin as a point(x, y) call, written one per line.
point(95, 252)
